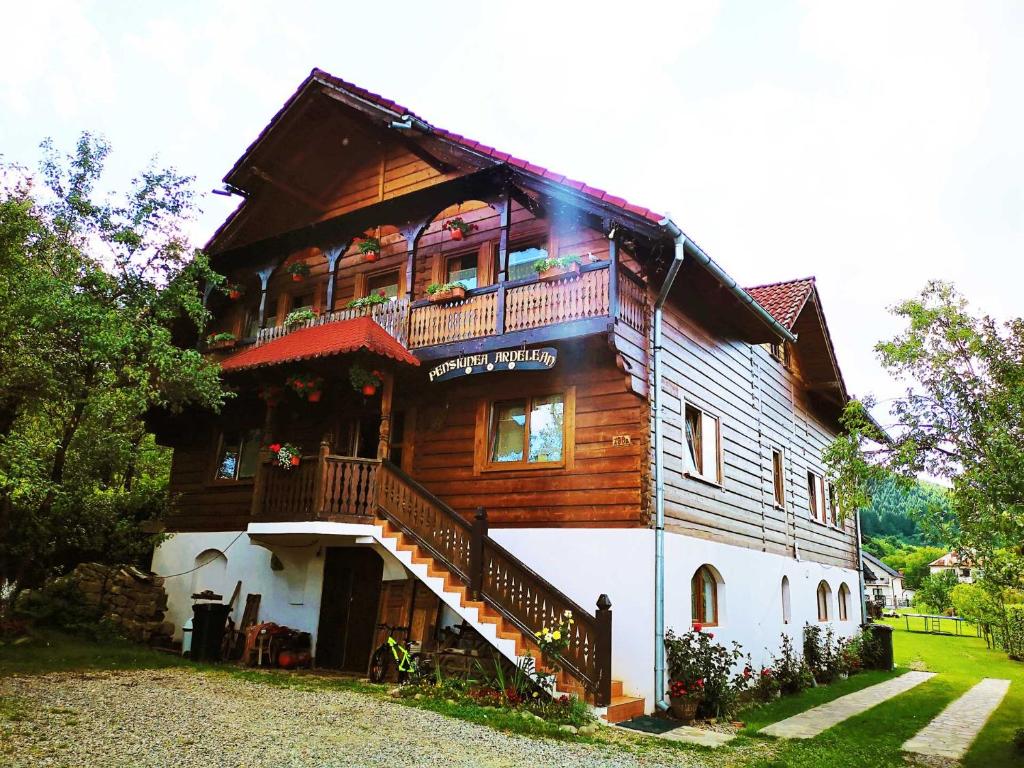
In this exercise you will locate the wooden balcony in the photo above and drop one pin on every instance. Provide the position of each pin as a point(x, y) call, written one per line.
point(517, 307)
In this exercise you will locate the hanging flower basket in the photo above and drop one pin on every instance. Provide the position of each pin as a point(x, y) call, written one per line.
point(285, 455)
point(439, 293)
point(557, 268)
point(458, 228)
point(306, 386)
point(365, 381)
point(270, 394)
point(370, 248)
point(234, 291)
point(299, 271)
point(221, 340)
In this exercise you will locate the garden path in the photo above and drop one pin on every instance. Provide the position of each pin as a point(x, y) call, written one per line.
point(951, 733)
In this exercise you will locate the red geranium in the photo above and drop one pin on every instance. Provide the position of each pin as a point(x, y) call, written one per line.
point(275, 447)
point(697, 627)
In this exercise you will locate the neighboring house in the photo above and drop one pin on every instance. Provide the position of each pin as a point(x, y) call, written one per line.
point(498, 457)
point(884, 584)
point(951, 561)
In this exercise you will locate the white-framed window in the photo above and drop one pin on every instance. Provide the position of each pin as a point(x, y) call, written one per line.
point(702, 435)
point(833, 506)
point(816, 497)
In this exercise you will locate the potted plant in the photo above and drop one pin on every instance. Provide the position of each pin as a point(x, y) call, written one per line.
point(365, 381)
point(221, 340)
point(234, 291)
point(306, 385)
point(370, 248)
point(684, 698)
point(298, 270)
point(373, 300)
point(458, 228)
point(557, 267)
point(285, 455)
point(270, 394)
point(299, 317)
point(441, 292)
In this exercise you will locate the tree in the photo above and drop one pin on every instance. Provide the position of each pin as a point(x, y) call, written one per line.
point(913, 563)
point(961, 420)
point(92, 294)
point(935, 591)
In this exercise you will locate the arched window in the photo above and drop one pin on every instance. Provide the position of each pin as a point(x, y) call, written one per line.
point(824, 598)
point(787, 609)
point(211, 566)
point(844, 602)
point(704, 597)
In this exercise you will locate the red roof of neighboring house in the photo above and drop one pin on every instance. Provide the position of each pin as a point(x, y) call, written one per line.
point(359, 334)
point(950, 560)
point(462, 141)
point(784, 300)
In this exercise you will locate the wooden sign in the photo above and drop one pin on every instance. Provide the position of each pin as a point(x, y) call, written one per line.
point(539, 359)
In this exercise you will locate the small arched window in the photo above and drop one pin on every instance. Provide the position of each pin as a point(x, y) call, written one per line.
point(704, 597)
point(844, 602)
point(824, 598)
point(787, 606)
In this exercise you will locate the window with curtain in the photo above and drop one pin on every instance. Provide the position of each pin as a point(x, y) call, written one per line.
point(462, 269)
point(383, 281)
point(238, 455)
point(702, 440)
point(704, 597)
point(527, 432)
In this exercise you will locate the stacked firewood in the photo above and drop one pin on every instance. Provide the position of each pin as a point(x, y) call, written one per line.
point(130, 599)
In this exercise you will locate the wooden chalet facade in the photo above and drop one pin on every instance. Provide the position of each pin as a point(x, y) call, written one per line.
point(506, 457)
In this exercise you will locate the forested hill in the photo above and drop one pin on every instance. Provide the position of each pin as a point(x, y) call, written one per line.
point(901, 516)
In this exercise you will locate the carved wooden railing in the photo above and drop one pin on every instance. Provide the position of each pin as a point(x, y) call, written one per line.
point(499, 578)
point(542, 303)
point(468, 318)
point(322, 487)
point(349, 487)
point(392, 317)
point(632, 309)
point(286, 495)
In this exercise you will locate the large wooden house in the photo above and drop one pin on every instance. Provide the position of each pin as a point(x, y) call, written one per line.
point(626, 433)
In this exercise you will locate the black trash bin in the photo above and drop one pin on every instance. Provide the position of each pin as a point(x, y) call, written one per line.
point(881, 651)
point(208, 630)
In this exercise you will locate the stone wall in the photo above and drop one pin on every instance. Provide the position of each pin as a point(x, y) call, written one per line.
point(132, 600)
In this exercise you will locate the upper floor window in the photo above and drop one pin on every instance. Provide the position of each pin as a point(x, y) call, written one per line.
point(833, 506)
point(778, 478)
point(528, 432)
point(462, 269)
point(702, 442)
point(522, 258)
point(383, 281)
point(816, 496)
point(704, 597)
point(305, 301)
point(780, 351)
point(238, 455)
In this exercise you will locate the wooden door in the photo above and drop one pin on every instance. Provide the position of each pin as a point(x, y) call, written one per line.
point(348, 608)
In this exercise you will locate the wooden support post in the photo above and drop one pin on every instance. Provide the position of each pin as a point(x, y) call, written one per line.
point(332, 254)
point(320, 480)
point(264, 275)
point(603, 694)
point(386, 396)
point(613, 277)
point(259, 485)
point(505, 221)
point(476, 552)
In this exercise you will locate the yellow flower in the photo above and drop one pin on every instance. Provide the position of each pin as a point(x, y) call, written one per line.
point(536, 634)
point(556, 635)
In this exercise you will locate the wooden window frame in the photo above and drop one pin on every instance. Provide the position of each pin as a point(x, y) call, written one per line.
point(821, 595)
point(832, 505)
point(215, 460)
point(449, 257)
point(816, 501)
point(697, 608)
point(694, 472)
point(362, 283)
point(779, 477)
point(842, 602)
point(482, 446)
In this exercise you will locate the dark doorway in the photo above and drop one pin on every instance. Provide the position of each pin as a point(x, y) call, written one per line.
point(359, 431)
point(348, 608)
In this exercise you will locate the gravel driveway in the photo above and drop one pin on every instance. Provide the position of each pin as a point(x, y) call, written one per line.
point(182, 718)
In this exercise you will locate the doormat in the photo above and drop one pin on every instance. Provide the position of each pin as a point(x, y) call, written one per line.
point(648, 724)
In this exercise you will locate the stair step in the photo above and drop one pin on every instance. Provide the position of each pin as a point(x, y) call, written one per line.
point(624, 708)
point(616, 688)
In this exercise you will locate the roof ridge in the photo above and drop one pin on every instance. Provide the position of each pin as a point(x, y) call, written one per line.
point(810, 279)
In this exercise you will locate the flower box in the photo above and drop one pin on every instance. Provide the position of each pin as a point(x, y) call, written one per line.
point(222, 344)
point(559, 273)
point(452, 294)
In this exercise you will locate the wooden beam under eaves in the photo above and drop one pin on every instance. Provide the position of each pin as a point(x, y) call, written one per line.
point(293, 192)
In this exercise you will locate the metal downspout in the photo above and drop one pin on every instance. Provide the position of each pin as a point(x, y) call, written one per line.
point(659, 468)
point(860, 574)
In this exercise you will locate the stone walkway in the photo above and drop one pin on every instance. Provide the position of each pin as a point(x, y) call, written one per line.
point(951, 733)
point(809, 724)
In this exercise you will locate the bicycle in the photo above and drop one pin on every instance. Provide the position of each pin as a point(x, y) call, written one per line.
point(391, 651)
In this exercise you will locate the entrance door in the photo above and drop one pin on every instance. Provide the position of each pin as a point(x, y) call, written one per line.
point(348, 608)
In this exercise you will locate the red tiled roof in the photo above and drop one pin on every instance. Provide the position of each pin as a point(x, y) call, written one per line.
point(783, 300)
point(483, 149)
point(355, 335)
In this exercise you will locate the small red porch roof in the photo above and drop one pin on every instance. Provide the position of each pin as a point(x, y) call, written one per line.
point(358, 334)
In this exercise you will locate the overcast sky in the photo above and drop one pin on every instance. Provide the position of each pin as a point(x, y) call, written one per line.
point(872, 145)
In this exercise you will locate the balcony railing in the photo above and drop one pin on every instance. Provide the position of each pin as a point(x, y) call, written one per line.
point(499, 309)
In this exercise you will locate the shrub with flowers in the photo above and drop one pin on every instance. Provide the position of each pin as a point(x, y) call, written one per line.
point(700, 665)
point(766, 685)
point(286, 455)
point(306, 385)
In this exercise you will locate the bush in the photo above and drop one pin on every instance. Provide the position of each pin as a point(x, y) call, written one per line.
point(696, 662)
point(825, 654)
point(766, 685)
point(790, 669)
point(1018, 741)
point(59, 605)
point(1009, 633)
